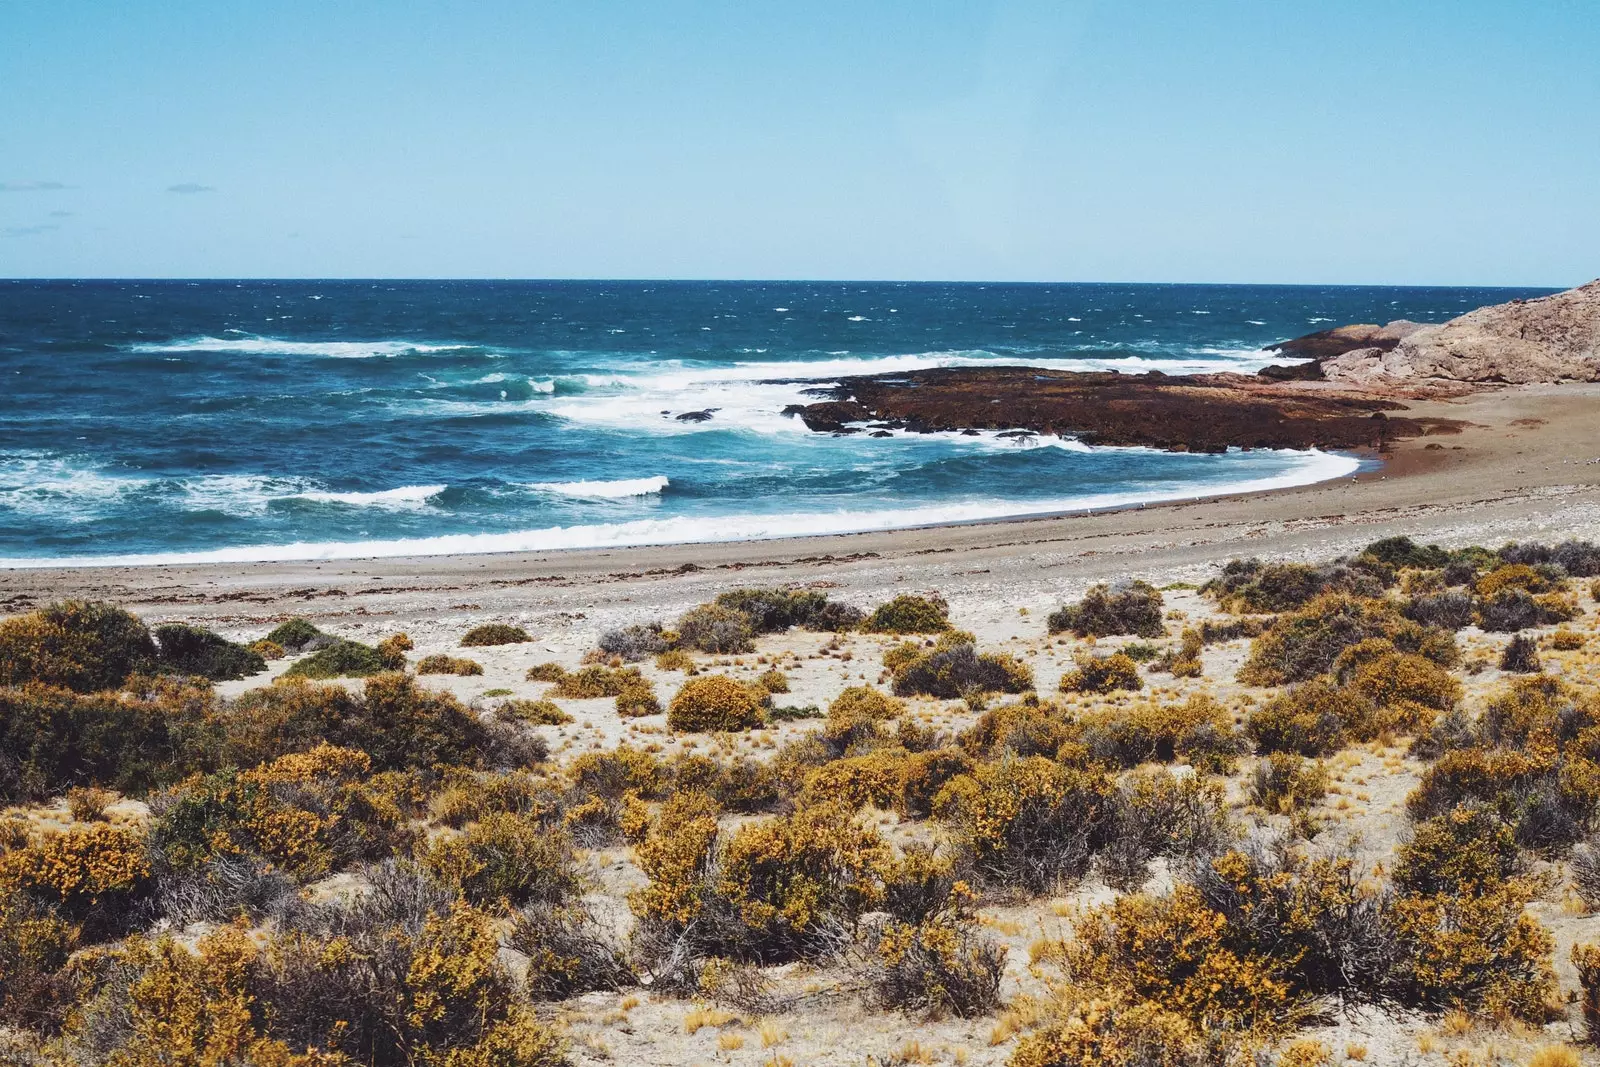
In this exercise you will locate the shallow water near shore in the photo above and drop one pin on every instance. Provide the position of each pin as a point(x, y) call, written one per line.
point(236, 421)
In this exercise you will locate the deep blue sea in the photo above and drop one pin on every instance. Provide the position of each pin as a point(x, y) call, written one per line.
point(285, 420)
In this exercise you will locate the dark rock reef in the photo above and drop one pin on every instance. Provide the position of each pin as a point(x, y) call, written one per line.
point(1198, 413)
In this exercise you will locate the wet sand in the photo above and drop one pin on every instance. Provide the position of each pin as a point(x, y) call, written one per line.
point(1526, 466)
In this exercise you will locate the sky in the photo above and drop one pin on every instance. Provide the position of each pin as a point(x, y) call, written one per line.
point(1269, 141)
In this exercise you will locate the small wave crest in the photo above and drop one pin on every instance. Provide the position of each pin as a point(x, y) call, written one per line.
point(619, 489)
point(250, 344)
point(405, 497)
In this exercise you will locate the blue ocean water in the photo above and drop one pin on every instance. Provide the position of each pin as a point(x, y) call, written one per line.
point(278, 420)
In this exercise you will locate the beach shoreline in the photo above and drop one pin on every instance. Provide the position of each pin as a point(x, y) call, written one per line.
point(1516, 469)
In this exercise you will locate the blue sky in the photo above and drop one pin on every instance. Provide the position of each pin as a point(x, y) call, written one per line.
point(1233, 140)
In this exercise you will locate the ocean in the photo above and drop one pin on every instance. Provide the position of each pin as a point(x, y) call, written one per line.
point(274, 420)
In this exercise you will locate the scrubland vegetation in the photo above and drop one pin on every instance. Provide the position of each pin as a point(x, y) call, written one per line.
point(1157, 829)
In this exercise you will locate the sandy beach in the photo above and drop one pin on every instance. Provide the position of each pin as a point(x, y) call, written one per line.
point(1526, 465)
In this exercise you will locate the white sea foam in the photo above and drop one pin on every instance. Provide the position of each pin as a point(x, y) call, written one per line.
point(248, 344)
point(405, 498)
point(1309, 467)
point(620, 489)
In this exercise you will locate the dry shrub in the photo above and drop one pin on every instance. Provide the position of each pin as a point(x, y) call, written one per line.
point(941, 964)
point(36, 987)
point(308, 813)
point(442, 664)
point(1116, 1033)
point(776, 610)
point(713, 703)
point(621, 770)
point(1286, 783)
point(89, 874)
point(676, 660)
point(1521, 656)
point(1475, 951)
point(1512, 576)
point(1029, 822)
point(1256, 587)
point(594, 682)
point(569, 952)
point(1314, 718)
point(88, 804)
point(863, 701)
point(1465, 850)
point(1111, 610)
point(637, 698)
point(1448, 610)
point(954, 668)
point(505, 855)
point(1306, 643)
point(635, 643)
point(392, 651)
point(856, 781)
point(1566, 640)
point(716, 629)
point(1586, 873)
point(267, 650)
point(427, 991)
point(545, 672)
point(774, 681)
point(1199, 730)
point(495, 633)
point(1158, 813)
point(908, 614)
point(1101, 674)
point(1586, 960)
point(80, 645)
point(1025, 729)
point(923, 774)
point(1404, 552)
point(197, 651)
point(1184, 660)
point(537, 712)
point(1375, 670)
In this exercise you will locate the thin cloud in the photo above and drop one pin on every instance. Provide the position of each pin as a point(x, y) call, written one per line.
point(191, 187)
point(31, 187)
point(61, 214)
point(29, 231)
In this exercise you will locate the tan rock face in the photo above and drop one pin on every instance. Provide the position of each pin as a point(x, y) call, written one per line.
point(1552, 339)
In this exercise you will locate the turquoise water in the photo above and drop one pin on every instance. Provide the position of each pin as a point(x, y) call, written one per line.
point(280, 420)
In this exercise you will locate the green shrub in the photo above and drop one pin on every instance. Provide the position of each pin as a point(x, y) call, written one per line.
point(1254, 586)
point(296, 635)
point(1466, 850)
point(494, 633)
point(637, 698)
point(341, 659)
point(36, 987)
point(1404, 552)
point(714, 702)
point(54, 739)
point(80, 645)
point(1107, 611)
point(545, 672)
point(1102, 674)
point(194, 650)
point(908, 614)
point(865, 701)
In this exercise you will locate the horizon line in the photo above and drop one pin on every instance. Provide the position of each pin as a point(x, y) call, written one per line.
point(238, 279)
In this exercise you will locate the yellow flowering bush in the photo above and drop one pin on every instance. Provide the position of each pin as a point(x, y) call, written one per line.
point(714, 702)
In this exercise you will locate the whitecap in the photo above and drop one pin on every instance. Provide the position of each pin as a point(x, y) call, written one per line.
point(620, 489)
point(406, 497)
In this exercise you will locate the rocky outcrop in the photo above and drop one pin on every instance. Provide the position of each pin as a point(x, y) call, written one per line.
point(1195, 413)
point(1551, 339)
